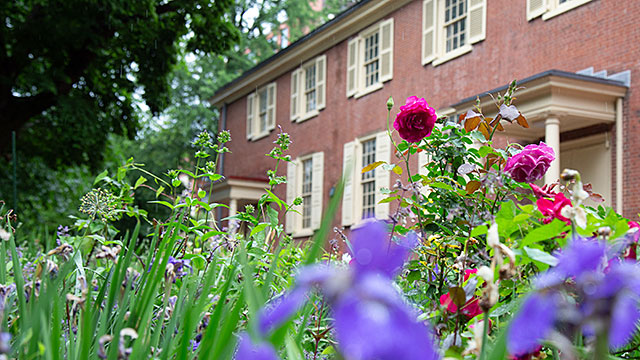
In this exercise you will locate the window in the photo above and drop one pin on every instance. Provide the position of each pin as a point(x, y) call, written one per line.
point(368, 181)
point(308, 89)
point(450, 28)
point(261, 112)
point(305, 180)
point(370, 59)
point(551, 8)
point(362, 195)
point(455, 18)
point(307, 171)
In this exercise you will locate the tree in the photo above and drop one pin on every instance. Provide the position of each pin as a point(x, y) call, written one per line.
point(71, 70)
point(165, 140)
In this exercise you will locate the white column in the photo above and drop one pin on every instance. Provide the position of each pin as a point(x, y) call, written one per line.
point(619, 155)
point(233, 207)
point(552, 138)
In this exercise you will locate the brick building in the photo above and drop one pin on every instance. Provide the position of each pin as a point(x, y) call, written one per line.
point(328, 90)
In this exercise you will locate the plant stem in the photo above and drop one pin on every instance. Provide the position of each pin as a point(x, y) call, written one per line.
point(485, 330)
point(602, 346)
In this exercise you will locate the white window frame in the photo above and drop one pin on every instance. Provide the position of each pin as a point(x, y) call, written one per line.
point(254, 128)
point(352, 171)
point(298, 107)
point(434, 30)
point(295, 177)
point(356, 67)
point(551, 8)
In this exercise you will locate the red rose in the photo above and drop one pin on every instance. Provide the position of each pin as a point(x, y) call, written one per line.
point(553, 209)
point(415, 120)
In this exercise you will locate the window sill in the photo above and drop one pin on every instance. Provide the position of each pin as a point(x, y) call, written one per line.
point(308, 116)
point(260, 136)
point(452, 55)
point(370, 89)
point(302, 233)
point(570, 5)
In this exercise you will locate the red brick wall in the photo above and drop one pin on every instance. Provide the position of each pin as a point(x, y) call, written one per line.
point(604, 34)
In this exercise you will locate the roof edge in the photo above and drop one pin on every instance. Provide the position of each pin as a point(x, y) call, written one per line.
point(327, 35)
point(552, 72)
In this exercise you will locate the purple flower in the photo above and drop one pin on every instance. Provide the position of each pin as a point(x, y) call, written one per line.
point(533, 323)
point(531, 163)
point(280, 310)
point(373, 322)
point(599, 299)
point(247, 350)
point(371, 319)
point(372, 252)
point(177, 268)
point(581, 256)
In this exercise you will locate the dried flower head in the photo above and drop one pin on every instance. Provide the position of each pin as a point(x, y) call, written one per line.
point(109, 253)
point(64, 251)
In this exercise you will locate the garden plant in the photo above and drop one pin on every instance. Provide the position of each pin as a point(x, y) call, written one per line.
point(477, 260)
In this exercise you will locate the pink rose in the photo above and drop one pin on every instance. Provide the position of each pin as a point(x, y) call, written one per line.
point(553, 209)
point(531, 163)
point(415, 120)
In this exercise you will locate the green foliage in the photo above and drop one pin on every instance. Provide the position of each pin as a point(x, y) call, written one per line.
point(71, 70)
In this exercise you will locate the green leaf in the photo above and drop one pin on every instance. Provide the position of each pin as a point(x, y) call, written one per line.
point(159, 191)
point(201, 193)
point(441, 185)
point(141, 180)
point(541, 256)
point(389, 199)
point(544, 232)
point(521, 218)
point(372, 166)
point(258, 228)
point(100, 177)
point(485, 150)
point(413, 276)
point(197, 260)
point(165, 203)
point(122, 172)
point(479, 230)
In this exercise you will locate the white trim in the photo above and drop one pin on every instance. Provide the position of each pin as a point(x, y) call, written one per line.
point(368, 90)
point(308, 116)
point(561, 9)
point(452, 54)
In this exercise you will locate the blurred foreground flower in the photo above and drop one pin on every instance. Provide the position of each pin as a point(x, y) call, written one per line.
point(584, 292)
point(371, 319)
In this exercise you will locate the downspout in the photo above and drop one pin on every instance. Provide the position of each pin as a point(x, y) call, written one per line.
point(619, 154)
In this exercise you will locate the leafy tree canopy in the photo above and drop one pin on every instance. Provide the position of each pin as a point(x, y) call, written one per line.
point(70, 71)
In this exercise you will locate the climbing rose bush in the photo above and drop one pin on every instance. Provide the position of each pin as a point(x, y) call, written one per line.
point(415, 120)
point(531, 163)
